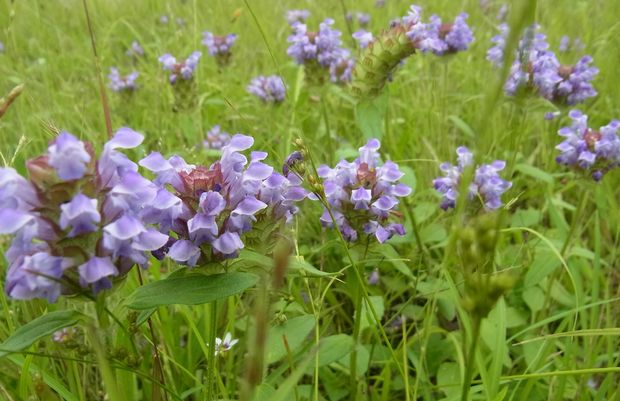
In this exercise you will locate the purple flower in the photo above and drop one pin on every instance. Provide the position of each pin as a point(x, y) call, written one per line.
point(222, 202)
point(164, 20)
point(90, 210)
point(36, 276)
point(121, 84)
point(363, 195)
point(68, 156)
point(363, 38)
point(80, 214)
point(1, 47)
point(487, 184)
point(594, 151)
point(320, 49)
point(184, 69)
point(216, 138)
point(552, 115)
point(293, 16)
point(437, 37)
point(269, 89)
point(219, 46)
point(135, 50)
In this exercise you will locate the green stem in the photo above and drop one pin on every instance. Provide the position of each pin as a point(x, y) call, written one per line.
point(573, 226)
point(357, 319)
point(471, 357)
point(107, 374)
point(212, 356)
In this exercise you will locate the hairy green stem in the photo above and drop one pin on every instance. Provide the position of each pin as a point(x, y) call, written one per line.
point(212, 356)
point(471, 358)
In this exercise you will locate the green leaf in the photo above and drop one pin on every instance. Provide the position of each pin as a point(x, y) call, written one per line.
point(299, 264)
point(369, 115)
point(366, 313)
point(334, 347)
point(462, 126)
point(534, 172)
point(294, 331)
point(192, 289)
point(41, 327)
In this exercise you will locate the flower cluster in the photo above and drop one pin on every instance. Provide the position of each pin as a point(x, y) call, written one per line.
point(77, 222)
point(119, 83)
point(213, 207)
point(184, 69)
point(363, 38)
point(320, 50)
point(437, 37)
point(594, 151)
point(538, 68)
point(363, 19)
point(566, 44)
point(216, 138)
point(269, 89)
point(219, 46)
point(135, 50)
point(487, 185)
point(363, 195)
point(293, 16)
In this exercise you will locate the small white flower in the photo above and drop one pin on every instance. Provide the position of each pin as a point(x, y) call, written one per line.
point(221, 346)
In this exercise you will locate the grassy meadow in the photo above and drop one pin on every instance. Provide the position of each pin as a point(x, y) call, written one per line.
point(341, 321)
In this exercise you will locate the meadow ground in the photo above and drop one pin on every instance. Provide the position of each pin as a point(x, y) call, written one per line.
point(520, 303)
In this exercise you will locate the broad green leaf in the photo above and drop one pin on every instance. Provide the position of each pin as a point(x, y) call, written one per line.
point(448, 378)
point(49, 378)
point(41, 327)
point(534, 298)
point(366, 314)
point(334, 347)
point(544, 263)
point(534, 172)
point(192, 289)
point(299, 264)
point(294, 331)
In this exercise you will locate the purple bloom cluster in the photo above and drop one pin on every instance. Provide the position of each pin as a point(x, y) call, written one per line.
point(219, 46)
point(293, 16)
point(363, 19)
point(594, 151)
point(363, 38)
point(77, 222)
point(212, 208)
point(119, 83)
point(184, 69)
point(487, 185)
point(566, 44)
point(437, 37)
point(216, 138)
point(321, 49)
point(135, 50)
point(363, 195)
point(270, 89)
point(537, 67)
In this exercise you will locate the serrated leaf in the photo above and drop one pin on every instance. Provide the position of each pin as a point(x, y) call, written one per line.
point(41, 327)
point(192, 289)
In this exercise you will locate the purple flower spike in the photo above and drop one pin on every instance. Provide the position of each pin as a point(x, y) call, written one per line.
point(183, 69)
point(219, 46)
point(135, 50)
point(36, 276)
point(68, 156)
point(119, 83)
point(487, 184)
point(269, 89)
point(363, 194)
point(216, 138)
point(437, 37)
point(81, 214)
point(594, 152)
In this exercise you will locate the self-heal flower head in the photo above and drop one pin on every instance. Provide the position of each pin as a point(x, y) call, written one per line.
point(68, 156)
point(363, 19)
point(183, 70)
point(222, 202)
point(363, 38)
point(219, 46)
point(270, 89)
point(440, 38)
point(487, 185)
point(135, 50)
point(119, 83)
point(77, 222)
point(293, 16)
point(363, 195)
point(592, 151)
point(216, 138)
point(320, 52)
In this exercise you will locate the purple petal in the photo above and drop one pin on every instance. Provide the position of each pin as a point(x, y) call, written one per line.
point(228, 243)
point(12, 220)
point(249, 206)
point(185, 252)
point(125, 138)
